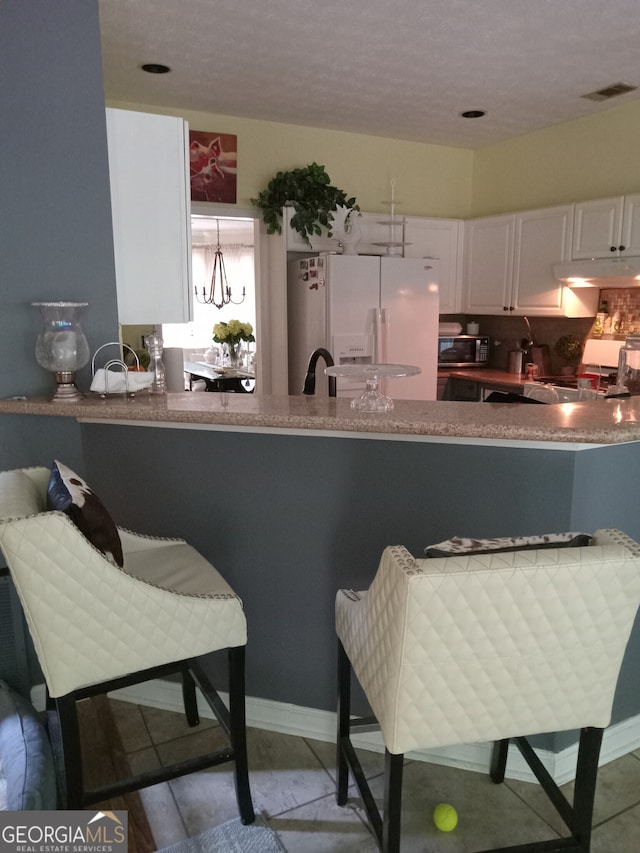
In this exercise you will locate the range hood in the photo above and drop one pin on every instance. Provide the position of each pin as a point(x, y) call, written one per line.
point(600, 272)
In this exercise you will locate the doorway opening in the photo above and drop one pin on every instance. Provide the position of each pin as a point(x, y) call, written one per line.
point(237, 243)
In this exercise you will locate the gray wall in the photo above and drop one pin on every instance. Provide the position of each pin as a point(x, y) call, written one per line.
point(55, 215)
point(291, 519)
point(604, 496)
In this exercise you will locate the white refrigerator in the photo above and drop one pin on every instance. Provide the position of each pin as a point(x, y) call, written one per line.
point(364, 309)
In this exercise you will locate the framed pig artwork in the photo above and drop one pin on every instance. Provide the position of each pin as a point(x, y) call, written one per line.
point(213, 166)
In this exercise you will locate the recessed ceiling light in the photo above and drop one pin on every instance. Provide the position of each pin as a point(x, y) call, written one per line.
point(155, 68)
point(473, 114)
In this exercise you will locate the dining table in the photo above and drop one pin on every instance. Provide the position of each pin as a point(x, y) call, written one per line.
point(218, 378)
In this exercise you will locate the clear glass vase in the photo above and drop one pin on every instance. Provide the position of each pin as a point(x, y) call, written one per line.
point(233, 355)
point(61, 346)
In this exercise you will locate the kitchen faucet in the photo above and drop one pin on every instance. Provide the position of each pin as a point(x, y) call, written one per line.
point(528, 344)
point(310, 379)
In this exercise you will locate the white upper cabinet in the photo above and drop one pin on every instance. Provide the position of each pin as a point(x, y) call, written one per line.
point(607, 227)
point(437, 239)
point(631, 225)
point(509, 262)
point(488, 264)
point(440, 239)
point(541, 237)
point(151, 214)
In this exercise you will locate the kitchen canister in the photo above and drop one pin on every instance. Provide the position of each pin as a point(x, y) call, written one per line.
point(473, 328)
point(515, 361)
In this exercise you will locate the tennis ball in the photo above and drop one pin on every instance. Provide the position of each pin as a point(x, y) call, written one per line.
point(445, 817)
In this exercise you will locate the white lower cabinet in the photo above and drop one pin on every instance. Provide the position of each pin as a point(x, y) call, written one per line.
point(509, 262)
point(151, 214)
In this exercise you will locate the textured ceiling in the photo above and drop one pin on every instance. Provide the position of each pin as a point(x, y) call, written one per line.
point(403, 69)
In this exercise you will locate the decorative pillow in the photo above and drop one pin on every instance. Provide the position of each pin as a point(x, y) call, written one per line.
point(25, 755)
point(461, 546)
point(69, 493)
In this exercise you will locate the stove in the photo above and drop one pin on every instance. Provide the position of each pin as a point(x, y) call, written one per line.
point(564, 389)
point(599, 363)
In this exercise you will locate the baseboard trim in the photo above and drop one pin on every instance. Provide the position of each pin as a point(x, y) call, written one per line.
point(314, 724)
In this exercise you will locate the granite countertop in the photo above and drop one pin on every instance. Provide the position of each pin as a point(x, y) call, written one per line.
point(612, 421)
point(488, 377)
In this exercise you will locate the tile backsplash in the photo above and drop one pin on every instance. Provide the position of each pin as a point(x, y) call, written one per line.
point(625, 301)
point(506, 333)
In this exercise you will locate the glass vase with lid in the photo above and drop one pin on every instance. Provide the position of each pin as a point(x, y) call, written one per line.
point(61, 346)
point(628, 376)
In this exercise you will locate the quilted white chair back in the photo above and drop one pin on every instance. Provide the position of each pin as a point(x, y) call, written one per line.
point(477, 648)
point(91, 621)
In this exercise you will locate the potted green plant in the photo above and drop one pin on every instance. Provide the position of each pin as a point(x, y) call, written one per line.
point(310, 192)
point(569, 349)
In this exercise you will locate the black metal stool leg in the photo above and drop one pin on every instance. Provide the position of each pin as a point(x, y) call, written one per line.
point(499, 760)
point(392, 813)
point(585, 784)
point(71, 751)
point(238, 726)
point(189, 698)
point(344, 711)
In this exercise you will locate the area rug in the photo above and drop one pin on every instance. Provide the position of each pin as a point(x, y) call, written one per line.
point(231, 837)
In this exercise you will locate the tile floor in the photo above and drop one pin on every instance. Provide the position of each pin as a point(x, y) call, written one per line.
point(292, 782)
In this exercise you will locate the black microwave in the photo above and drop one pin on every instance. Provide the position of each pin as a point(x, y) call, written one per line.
point(463, 351)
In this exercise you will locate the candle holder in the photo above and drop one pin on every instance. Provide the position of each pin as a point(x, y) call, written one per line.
point(61, 346)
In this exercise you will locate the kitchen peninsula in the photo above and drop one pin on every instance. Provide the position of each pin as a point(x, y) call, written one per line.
point(603, 422)
point(295, 497)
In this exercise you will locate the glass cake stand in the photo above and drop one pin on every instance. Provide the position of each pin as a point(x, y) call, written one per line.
point(372, 400)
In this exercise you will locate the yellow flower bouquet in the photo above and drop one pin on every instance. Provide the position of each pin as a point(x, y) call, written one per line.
point(233, 332)
point(232, 335)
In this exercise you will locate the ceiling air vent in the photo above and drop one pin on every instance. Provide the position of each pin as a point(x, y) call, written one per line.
point(610, 92)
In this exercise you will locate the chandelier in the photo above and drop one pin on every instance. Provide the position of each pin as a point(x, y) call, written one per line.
point(219, 291)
